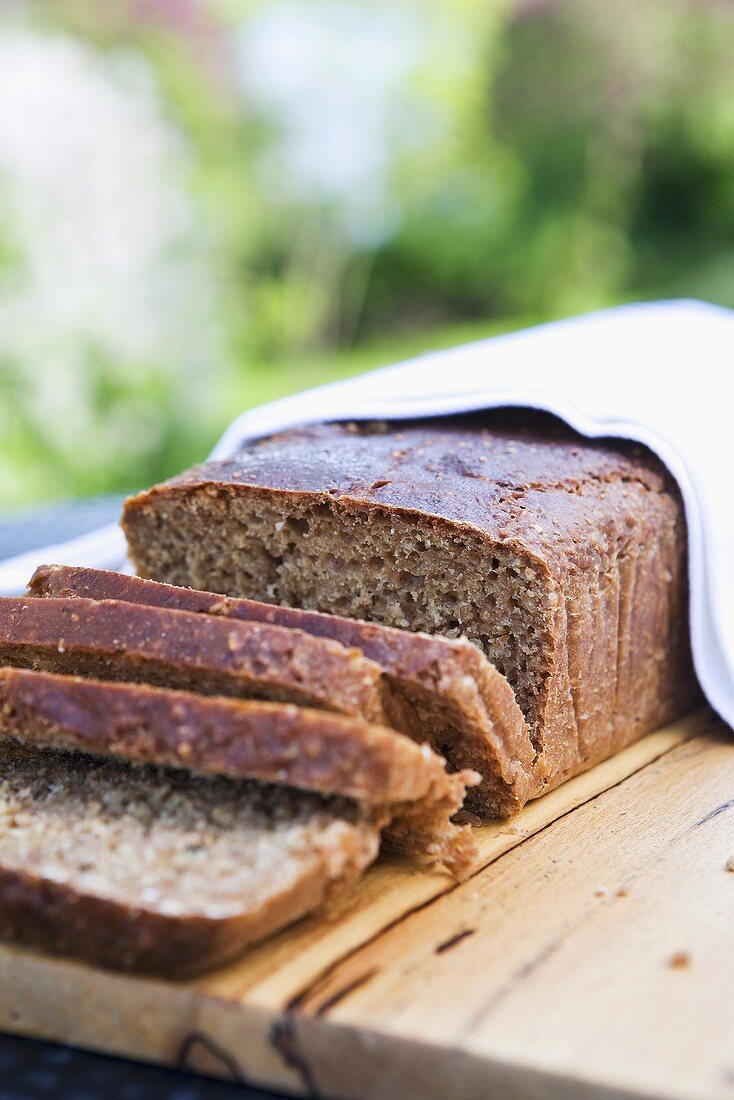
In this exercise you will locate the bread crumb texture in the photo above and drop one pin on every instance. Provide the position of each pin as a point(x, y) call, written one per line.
point(159, 839)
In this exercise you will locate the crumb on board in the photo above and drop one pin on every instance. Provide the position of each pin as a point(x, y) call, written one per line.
point(730, 864)
point(681, 960)
point(622, 893)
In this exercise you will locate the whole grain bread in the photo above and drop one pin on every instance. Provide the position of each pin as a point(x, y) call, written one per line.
point(277, 743)
point(154, 869)
point(109, 639)
point(464, 706)
point(563, 559)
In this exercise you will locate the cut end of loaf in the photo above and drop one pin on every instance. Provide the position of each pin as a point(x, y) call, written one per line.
point(355, 560)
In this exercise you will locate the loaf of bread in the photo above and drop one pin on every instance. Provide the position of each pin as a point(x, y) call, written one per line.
point(155, 869)
point(563, 560)
point(461, 703)
point(276, 743)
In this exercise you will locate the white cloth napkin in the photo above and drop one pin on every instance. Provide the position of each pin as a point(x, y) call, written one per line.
point(660, 374)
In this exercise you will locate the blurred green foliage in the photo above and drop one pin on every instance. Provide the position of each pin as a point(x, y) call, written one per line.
point(371, 179)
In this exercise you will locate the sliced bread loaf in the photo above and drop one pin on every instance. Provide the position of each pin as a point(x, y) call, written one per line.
point(154, 869)
point(564, 560)
point(464, 706)
point(270, 742)
point(112, 640)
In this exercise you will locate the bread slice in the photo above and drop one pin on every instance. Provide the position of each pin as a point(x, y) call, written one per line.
point(464, 706)
point(564, 560)
point(153, 869)
point(112, 640)
point(271, 742)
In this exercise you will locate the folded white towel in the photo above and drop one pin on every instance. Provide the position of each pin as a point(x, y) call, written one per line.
point(660, 374)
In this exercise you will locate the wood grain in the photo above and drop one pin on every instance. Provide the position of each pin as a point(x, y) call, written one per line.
point(591, 956)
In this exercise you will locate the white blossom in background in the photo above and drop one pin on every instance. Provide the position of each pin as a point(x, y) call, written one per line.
point(104, 277)
point(346, 89)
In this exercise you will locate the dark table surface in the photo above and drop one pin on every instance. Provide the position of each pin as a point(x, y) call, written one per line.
point(30, 1069)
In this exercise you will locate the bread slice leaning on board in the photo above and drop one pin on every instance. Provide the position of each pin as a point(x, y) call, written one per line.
point(562, 559)
point(154, 869)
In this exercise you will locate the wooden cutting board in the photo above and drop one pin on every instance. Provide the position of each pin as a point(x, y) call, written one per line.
point(593, 956)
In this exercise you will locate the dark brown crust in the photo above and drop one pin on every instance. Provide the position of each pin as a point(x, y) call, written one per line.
point(455, 470)
point(467, 703)
point(602, 523)
point(123, 641)
point(54, 917)
point(245, 739)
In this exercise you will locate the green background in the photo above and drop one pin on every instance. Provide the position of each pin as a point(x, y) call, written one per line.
point(357, 182)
